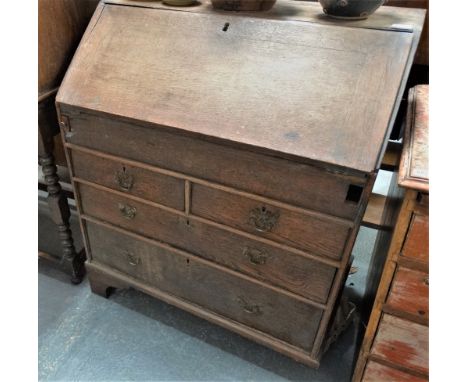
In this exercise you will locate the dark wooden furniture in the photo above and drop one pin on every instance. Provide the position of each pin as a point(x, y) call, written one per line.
point(222, 162)
point(61, 24)
point(396, 342)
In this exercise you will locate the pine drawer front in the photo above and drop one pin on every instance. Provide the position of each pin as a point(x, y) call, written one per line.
point(188, 278)
point(296, 273)
point(416, 246)
point(376, 372)
point(403, 343)
point(287, 181)
point(409, 293)
point(321, 236)
point(133, 180)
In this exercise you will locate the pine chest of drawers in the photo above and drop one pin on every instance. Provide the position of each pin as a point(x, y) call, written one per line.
point(222, 162)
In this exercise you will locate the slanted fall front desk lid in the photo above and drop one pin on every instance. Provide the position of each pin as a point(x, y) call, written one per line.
point(321, 92)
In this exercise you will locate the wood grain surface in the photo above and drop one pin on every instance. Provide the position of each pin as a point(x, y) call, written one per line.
point(376, 372)
point(402, 343)
point(222, 293)
point(319, 236)
point(229, 92)
point(409, 294)
point(416, 245)
point(298, 274)
point(136, 181)
point(296, 183)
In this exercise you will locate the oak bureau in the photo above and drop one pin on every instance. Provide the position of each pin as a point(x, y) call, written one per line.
point(222, 161)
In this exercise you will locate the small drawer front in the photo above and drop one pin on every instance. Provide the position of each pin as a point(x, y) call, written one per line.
point(410, 292)
point(122, 257)
point(136, 181)
point(298, 274)
point(416, 245)
point(402, 342)
point(238, 299)
point(376, 372)
point(295, 183)
point(319, 236)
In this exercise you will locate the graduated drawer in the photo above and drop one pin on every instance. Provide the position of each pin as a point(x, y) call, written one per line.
point(318, 235)
point(294, 272)
point(195, 281)
point(292, 182)
point(409, 293)
point(133, 180)
point(403, 343)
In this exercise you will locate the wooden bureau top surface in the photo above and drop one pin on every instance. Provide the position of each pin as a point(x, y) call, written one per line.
point(289, 80)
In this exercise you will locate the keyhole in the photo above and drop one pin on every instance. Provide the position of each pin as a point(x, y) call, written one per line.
point(225, 28)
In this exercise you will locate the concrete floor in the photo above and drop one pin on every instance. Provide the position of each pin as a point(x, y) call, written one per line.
point(134, 337)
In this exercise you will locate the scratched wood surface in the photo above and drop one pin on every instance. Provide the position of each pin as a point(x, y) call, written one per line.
point(403, 343)
point(409, 294)
point(416, 245)
point(376, 372)
point(335, 86)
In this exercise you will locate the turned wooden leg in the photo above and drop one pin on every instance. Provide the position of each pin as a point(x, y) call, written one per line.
point(60, 213)
point(71, 261)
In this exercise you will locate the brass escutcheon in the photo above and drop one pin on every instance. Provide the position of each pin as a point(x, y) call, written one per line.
point(124, 179)
point(249, 308)
point(262, 219)
point(132, 259)
point(255, 256)
point(127, 211)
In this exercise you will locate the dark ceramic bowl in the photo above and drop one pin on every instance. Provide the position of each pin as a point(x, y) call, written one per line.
point(243, 5)
point(350, 9)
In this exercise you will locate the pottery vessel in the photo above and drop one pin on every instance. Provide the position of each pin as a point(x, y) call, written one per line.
point(179, 3)
point(243, 5)
point(350, 9)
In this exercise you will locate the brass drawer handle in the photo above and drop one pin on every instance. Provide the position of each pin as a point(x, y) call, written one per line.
point(124, 179)
point(262, 219)
point(255, 256)
point(249, 308)
point(128, 212)
point(132, 259)
point(426, 281)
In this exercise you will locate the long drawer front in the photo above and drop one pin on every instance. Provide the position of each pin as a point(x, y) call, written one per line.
point(294, 272)
point(188, 278)
point(288, 181)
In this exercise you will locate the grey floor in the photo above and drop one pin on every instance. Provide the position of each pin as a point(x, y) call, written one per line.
point(134, 337)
